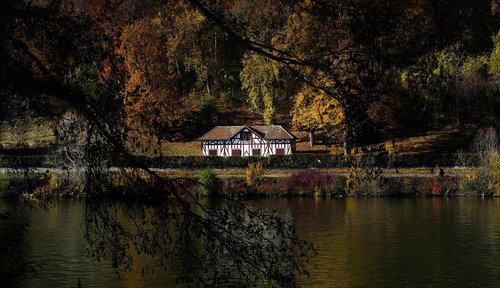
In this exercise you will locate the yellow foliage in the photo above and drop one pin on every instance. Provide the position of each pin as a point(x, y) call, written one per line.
point(259, 78)
point(253, 174)
point(335, 76)
point(494, 61)
point(315, 110)
point(186, 31)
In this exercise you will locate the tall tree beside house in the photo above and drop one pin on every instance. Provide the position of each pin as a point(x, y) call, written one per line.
point(309, 50)
point(315, 111)
point(267, 88)
point(260, 79)
point(336, 71)
point(167, 71)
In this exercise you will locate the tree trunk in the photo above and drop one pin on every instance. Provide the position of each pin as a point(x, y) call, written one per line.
point(347, 142)
point(159, 146)
point(311, 138)
point(347, 147)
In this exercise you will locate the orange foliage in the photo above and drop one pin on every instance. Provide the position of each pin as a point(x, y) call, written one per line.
point(153, 100)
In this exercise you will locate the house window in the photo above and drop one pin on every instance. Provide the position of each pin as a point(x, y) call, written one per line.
point(212, 152)
point(236, 152)
point(246, 136)
point(280, 151)
point(256, 152)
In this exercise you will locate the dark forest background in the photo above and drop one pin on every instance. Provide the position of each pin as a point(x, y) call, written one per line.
point(350, 71)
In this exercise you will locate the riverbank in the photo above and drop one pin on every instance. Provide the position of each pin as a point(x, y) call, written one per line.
point(271, 173)
point(237, 182)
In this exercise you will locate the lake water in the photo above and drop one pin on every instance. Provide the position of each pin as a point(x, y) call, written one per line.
point(410, 242)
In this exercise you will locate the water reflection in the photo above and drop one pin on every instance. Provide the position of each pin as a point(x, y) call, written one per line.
point(13, 265)
point(405, 242)
point(205, 242)
point(361, 243)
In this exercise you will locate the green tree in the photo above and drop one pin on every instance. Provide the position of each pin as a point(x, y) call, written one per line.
point(210, 184)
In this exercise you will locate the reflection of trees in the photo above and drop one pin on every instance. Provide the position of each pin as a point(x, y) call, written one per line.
point(212, 244)
point(13, 266)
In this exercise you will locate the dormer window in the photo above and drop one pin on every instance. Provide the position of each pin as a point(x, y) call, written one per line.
point(246, 136)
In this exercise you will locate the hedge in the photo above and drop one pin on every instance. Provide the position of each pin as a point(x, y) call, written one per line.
point(289, 161)
point(298, 161)
point(18, 161)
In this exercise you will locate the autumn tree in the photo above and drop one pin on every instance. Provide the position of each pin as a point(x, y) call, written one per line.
point(265, 87)
point(205, 60)
point(334, 68)
point(494, 59)
point(314, 111)
point(153, 99)
point(177, 62)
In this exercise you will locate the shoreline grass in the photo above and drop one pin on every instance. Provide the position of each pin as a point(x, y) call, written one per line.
point(271, 183)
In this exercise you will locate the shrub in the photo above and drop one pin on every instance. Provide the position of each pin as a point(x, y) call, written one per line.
point(475, 185)
point(338, 185)
point(302, 160)
point(271, 186)
point(21, 184)
point(52, 187)
point(485, 145)
point(485, 182)
point(254, 174)
point(309, 181)
point(366, 181)
point(209, 183)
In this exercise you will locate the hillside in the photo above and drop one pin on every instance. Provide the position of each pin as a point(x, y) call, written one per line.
point(37, 132)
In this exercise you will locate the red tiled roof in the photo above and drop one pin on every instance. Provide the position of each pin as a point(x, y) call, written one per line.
point(274, 132)
point(266, 132)
point(222, 133)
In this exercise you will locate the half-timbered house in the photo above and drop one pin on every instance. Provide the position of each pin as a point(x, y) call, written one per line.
point(247, 141)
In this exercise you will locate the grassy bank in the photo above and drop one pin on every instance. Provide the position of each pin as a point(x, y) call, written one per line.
point(29, 132)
